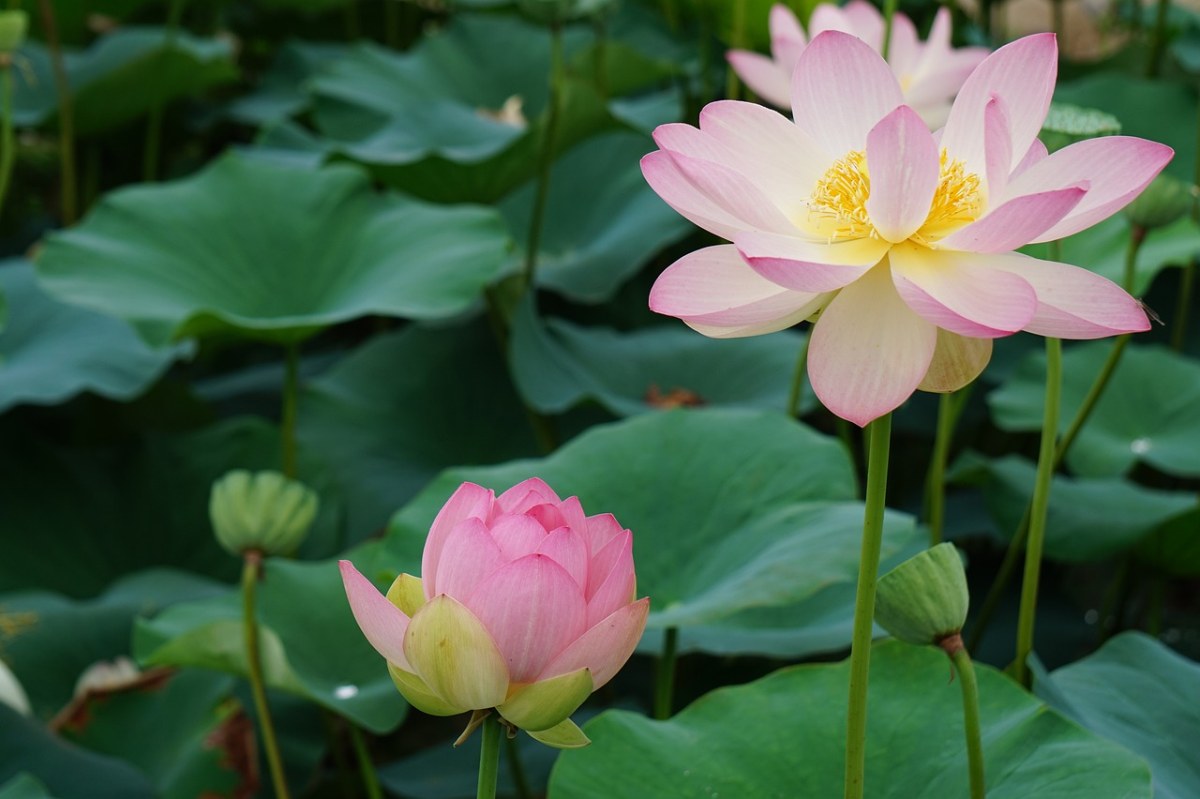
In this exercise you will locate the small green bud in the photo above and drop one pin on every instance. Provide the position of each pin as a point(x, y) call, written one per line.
point(263, 511)
point(1165, 200)
point(924, 599)
point(13, 26)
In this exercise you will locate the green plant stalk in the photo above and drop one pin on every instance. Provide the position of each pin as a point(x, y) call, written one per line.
point(664, 674)
point(366, 768)
point(287, 420)
point(889, 11)
point(66, 115)
point(8, 142)
point(600, 30)
point(949, 407)
point(1037, 515)
point(864, 606)
point(1158, 45)
point(489, 759)
point(545, 161)
point(251, 569)
point(516, 769)
point(971, 727)
point(737, 37)
point(1183, 305)
point(153, 147)
point(796, 392)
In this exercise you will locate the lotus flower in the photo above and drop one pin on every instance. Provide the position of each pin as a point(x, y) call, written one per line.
point(898, 242)
point(930, 74)
point(526, 605)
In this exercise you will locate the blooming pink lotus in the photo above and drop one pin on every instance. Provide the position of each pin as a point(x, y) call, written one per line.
point(930, 74)
point(898, 242)
point(526, 605)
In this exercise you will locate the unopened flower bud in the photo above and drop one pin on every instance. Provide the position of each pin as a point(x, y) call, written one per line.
point(925, 598)
point(13, 26)
point(1165, 200)
point(262, 511)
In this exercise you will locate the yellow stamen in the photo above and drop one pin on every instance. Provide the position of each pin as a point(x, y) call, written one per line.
point(956, 202)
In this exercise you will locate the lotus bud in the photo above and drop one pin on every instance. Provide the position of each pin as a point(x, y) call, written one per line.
point(924, 600)
point(261, 511)
point(13, 26)
point(1165, 200)
point(525, 607)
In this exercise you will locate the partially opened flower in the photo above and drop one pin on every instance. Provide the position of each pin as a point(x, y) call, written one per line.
point(898, 242)
point(525, 605)
point(930, 73)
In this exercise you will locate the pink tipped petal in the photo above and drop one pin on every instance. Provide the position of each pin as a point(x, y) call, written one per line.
point(829, 17)
point(525, 494)
point(1016, 222)
point(471, 553)
point(809, 266)
point(468, 501)
point(1074, 303)
point(380, 621)
point(768, 79)
point(997, 146)
point(869, 351)
point(957, 360)
point(903, 163)
point(601, 529)
point(517, 536)
point(1022, 74)
point(568, 549)
point(1034, 155)
point(616, 589)
point(455, 656)
point(959, 295)
point(619, 549)
point(1117, 169)
point(716, 289)
point(605, 647)
point(865, 22)
point(533, 609)
point(784, 25)
point(840, 89)
point(572, 512)
point(904, 48)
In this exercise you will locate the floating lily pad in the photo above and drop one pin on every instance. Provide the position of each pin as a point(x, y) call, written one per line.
point(790, 731)
point(1139, 694)
point(1089, 518)
point(51, 351)
point(557, 364)
point(310, 643)
point(270, 251)
point(1150, 411)
point(280, 93)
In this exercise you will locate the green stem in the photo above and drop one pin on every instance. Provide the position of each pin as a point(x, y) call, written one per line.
point(1037, 515)
point(949, 407)
point(1137, 235)
point(971, 726)
point(1183, 305)
point(889, 11)
point(1158, 45)
point(489, 758)
point(864, 605)
point(287, 422)
point(664, 675)
point(365, 767)
point(600, 29)
point(737, 35)
point(251, 569)
point(516, 769)
point(153, 147)
point(1112, 617)
point(545, 160)
point(66, 113)
point(796, 393)
point(7, 140)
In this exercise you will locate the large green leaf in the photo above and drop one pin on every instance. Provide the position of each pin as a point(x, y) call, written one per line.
point(783, 736)
point(271, 251)
point(311, 645)
point(1150, 411)
point(731, 511)
point(1138, 693)
point(280, 91)
point(50, 351)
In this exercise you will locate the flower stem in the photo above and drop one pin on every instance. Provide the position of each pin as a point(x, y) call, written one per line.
point(664, 675)
point(971, 728)
point(1158, 45)
point(545, 160)
point(489, 758)
point(864, 605)
point(8, 155)
point(66, 113)
point(251, 569)
point(365, 767)
point(1037, 515)
point(1183, 305)
point(796, 393)
point(287, 423)
point(516, 769)
point(949, 407)
point(737, 35)
point(889, 11)
point(153, 146)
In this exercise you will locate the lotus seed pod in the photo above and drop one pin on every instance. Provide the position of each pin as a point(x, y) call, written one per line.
point(1164, 201)
point(262, 511)
point(13, 26)
point(924, 599)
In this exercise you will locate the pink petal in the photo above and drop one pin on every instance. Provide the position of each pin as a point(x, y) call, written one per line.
point(619, 549)
point(829, 17)
point(618, 586)
point(965, 297)
point(904, 49)
point(525, 494)
point(841, 88)
point(1015, 223)
point(1022, 74)
point(605, 647)
point(868, 351)
point(1117, 169)
point(809, 266)
point(601, 529)
point(784, 25)
point(997, 146)
point(468, 501)
point(715, 289)
point(903, 163)
point(1036, 153)
point(548, 516)
point(1074, 303)
point(768, 79)
point(517, 535)
point(469, 555)
point(572, 512)
point(957, 360)
point(568, 549)
point(533, 609)
point(380, 621)
point(865, 22)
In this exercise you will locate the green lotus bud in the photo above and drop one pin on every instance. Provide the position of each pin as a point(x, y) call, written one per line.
point(924, 599)
point(13, 26)
point(1066, 124)
point(263, 511)
point(1165, 200)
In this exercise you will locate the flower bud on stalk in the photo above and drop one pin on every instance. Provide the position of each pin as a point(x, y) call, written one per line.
point(924, 600)
point(261, 511)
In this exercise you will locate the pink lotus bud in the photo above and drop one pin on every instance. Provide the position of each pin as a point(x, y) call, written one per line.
point(526, 605)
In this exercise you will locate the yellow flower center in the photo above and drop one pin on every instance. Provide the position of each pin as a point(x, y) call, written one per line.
point(838, 206)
